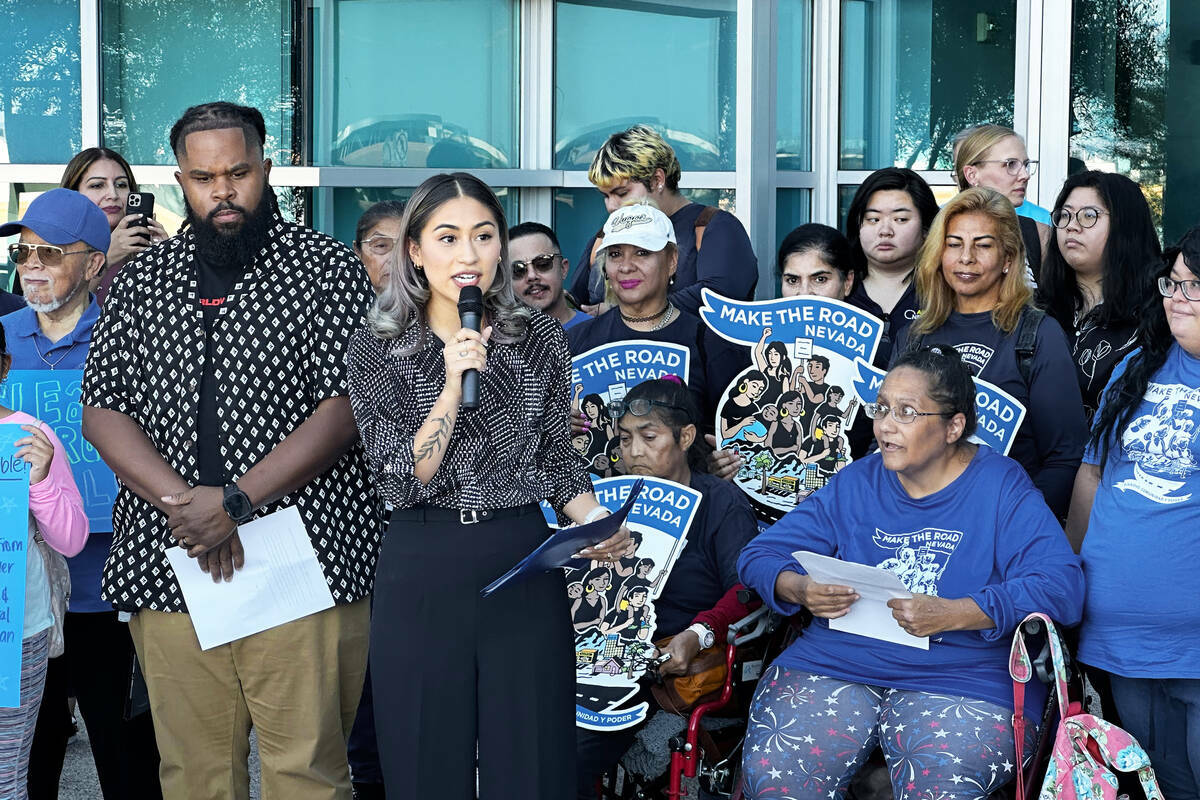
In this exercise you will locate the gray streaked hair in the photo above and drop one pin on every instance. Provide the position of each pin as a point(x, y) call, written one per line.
point(401, 304)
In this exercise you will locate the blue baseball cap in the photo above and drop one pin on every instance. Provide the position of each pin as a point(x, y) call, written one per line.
point(62, 216)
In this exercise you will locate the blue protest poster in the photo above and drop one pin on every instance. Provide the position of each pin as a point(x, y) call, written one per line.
point(606, 374)
point(53, 396)
point(612, 605)
point(999, 416)
point(14, 538)
point(788, 412)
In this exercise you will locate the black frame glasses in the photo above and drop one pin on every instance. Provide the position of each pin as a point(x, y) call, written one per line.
point(1166, 287)
point(1087, 217)
point(1011, 165)
point(639, 407)
point(879, 411)
point(542, 264)
point(49, 255)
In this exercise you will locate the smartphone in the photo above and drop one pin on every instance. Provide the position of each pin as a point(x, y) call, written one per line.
point(140, 203)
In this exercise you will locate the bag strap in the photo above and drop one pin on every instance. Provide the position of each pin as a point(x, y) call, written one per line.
point(1020, 668)
point(1027, 328)
point(706, 215)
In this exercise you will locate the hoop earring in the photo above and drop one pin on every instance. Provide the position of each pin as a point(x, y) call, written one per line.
point(742, 387)
point(783, 412)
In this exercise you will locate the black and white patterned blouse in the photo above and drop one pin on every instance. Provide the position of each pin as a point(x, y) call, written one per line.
point(512, 450)
point(281, 344)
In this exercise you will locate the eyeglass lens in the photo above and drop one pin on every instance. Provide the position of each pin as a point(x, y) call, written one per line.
point(1190, 288)
point(542, 264)
point(1086, 216)
point(48, 254)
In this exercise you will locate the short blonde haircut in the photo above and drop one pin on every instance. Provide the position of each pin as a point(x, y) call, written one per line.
point(937, 298)
point(974, 147)
point(634, 155)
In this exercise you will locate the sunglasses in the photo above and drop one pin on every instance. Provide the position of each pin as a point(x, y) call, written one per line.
point(48, 255)
point(639, 407)
point(542, 264)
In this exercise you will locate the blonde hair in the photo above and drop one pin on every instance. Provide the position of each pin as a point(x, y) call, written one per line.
point(975, 145)
point(936, 296)
point(634, 154)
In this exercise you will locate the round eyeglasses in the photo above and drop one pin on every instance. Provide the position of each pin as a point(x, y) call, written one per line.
point(1087, 217)
point(904, 414)
point(639, 407)
point(1012, 166)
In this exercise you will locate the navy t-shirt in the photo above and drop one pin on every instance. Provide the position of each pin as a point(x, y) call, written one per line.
point(894, 322)
point(725, 262)
point(988, 536)
point(1050, 442)
point(707, 567)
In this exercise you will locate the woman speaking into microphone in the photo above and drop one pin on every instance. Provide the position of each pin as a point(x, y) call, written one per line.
point(454, 671)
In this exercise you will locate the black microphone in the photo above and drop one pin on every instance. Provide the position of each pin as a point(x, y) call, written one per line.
point(470, 313)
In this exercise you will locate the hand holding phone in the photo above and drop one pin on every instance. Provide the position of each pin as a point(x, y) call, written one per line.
point(140, 203)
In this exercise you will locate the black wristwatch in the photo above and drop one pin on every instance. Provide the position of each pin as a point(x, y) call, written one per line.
point(237, 505)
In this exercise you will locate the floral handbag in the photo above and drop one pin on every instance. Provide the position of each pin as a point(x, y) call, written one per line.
point(1086, 748)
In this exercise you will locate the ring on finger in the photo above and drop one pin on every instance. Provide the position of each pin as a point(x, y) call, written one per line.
point(462, 353)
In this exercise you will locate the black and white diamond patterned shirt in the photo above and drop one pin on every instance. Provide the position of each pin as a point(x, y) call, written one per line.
point(280, 346)
point(512, 450)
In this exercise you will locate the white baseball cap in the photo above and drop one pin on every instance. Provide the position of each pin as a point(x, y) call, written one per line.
point(640, 225)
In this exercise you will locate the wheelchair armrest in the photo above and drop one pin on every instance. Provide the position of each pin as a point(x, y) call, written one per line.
point(747, 596)
point(1043, 662)
point(750, 627)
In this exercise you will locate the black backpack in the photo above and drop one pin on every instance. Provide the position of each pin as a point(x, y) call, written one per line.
point(1027, 328)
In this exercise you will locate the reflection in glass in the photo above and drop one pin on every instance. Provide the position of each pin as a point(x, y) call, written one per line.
point(161, 56)
point(1133, 100)
point(793, 90)
point(350, 203)
point(793, 208)
point(916, 72)
point(380, 108)
point(579, 215)
point(40, 106)
point(669, 65)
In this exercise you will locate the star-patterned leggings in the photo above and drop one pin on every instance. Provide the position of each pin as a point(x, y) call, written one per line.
point(808, 736)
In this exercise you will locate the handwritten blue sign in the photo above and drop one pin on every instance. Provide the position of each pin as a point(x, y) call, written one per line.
point(53, 396)
point(612, 605)
point(14, 538)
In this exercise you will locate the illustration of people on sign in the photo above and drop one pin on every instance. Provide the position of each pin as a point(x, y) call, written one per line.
point(787, 413)
point(604, 375)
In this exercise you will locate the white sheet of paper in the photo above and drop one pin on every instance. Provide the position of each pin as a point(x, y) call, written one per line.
point(870, 615)
point(281, 581)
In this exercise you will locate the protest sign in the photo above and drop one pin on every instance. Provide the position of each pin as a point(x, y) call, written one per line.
point(14, 539)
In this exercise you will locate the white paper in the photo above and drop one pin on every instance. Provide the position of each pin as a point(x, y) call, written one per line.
point(869, 615)
point(280, 582)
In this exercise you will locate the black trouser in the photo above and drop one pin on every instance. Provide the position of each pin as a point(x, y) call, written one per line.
point(451, 668)
point(96, 668)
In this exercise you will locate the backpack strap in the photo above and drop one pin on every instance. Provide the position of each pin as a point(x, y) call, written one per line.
point(1027, 328)
point(706, 215)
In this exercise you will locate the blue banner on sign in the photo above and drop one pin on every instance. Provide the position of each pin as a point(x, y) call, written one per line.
point(606, 374)
point(839, 328)
point(612, 605)
point(999, 417)
point(53, 396)
point(14, 538)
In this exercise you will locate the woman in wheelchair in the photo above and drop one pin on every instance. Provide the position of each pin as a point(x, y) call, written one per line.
point(657, 423)
point(968, 534)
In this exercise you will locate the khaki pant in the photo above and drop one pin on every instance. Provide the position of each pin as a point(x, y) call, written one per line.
point(297, 684)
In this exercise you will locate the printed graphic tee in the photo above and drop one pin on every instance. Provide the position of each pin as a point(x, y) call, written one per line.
point(988, 536)
point(1143, 538)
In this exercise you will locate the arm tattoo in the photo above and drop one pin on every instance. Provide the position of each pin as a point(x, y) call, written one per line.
point(436, 441)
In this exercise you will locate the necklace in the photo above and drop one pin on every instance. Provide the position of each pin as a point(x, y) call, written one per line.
point(48, 362)
point(668, 316)
point(649, 318)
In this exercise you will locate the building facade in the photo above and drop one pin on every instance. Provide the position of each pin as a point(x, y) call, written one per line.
point(777, 108)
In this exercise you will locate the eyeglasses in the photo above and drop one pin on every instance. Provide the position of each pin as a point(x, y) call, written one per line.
point(1191, 288)
point(543, 264)
point(1087, 217)
point(904, 415)
point(639, 407)
point(1012, 166)
point(378, 245)
point(48, 255)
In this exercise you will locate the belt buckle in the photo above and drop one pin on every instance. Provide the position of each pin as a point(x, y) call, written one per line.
point(468, 516)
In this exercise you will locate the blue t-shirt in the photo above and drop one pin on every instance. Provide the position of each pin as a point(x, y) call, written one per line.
point(988, 535)
point(30, 349)
point(1050, 442)
point(724, 263)
point(1142, 618)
